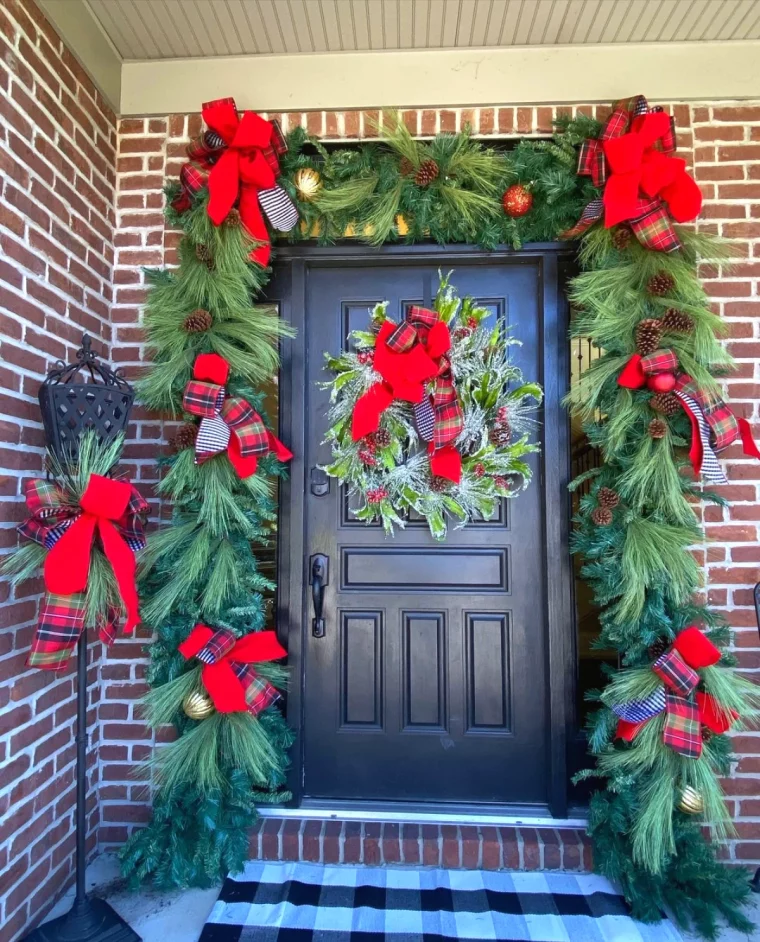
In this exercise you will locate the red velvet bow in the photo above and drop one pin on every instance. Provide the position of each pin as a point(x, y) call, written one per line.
point(643, 183)
point(67, 566)
point(242, 169)
point(686, 711)
point(408, 356)
point(639, 163)
point(232, 685)
point(228, 424)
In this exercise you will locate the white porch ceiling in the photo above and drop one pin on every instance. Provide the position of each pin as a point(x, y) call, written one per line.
point(168, 29)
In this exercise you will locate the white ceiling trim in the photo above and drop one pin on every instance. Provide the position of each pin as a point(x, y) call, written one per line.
point(163, 29)
point(449, 77)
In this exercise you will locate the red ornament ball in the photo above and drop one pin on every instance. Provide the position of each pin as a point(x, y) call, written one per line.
point(661, 382)
point(517, 200)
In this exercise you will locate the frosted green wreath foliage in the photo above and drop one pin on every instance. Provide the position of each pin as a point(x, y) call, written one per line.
point(389, 472)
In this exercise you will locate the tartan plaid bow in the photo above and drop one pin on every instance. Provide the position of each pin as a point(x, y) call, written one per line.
point(114, 510)
point(228, 424)
point(227, 672)
point(686, 710)
point(409, 356)
point(644, 184)
point(713, 424)
point(237, 158)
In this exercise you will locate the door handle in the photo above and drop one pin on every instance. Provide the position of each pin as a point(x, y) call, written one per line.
point(319, 577)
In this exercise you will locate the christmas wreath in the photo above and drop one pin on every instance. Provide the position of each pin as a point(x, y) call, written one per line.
point(429, 415)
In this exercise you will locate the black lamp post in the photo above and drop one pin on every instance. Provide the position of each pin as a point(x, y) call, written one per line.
point(69, 410)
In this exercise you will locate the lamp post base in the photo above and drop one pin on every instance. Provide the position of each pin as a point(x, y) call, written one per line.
point(92, 920)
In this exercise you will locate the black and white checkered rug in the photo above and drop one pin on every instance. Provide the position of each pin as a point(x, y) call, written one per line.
point(297, 902)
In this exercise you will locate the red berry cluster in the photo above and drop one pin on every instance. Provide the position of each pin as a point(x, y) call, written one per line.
point(365, 357)
point(479, 470)
point(377, 494)
point(501, 483)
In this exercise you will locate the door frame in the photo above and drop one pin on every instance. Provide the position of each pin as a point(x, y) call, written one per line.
point(288, 287)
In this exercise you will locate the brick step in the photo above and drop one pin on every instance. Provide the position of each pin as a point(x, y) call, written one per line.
point(468, 847)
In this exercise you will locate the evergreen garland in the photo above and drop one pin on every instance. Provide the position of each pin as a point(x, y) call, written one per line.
point(202, 569)
point(634, 528)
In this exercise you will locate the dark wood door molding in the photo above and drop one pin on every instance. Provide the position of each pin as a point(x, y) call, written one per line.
point(509, 582)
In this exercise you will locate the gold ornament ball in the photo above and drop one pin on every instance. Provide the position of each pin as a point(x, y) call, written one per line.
point(308, 183)
point(690, 801)
point(197, 706)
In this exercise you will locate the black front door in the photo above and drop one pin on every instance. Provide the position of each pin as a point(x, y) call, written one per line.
point(431, 680)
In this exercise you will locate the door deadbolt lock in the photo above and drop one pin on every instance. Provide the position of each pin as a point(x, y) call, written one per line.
point(320, 482)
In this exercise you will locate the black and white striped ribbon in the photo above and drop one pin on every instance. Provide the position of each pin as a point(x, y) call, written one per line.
point(279, 208)
point(424, 419)
point(711, 469)
point(213, 436)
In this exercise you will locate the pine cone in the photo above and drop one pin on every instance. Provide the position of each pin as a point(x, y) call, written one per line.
point(427, 173)
point(658, 428)
point(185, 437)
point(501, 483)
point(232, 219)
point(661, 283)
point(500, 435)
point(382, 438)
point(677, 322)
point(608, 498)
point(707, 733)
point(406, 167)
point(198, 322)
point(666, 403)
point(648, 334)
point(621, 238)
point(479, 470)
point(439, 485)
point(203, 252)
point(601, 516)
point(659, 647)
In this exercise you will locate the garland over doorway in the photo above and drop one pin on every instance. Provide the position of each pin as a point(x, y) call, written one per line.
point(650, 404)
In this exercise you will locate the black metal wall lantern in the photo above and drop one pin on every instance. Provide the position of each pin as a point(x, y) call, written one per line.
point(70, 407)
point(69, 410)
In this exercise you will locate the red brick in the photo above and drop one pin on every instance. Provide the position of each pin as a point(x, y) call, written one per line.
point(312, 841)
point(431, 845)
point(391, 843)
point(372, 836)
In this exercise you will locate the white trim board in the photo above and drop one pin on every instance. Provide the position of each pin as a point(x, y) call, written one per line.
point(701, 71)
point(415, 817)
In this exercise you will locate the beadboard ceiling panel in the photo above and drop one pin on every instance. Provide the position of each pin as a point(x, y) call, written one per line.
point(167, 29)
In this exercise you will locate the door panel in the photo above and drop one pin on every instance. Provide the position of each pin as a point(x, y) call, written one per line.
point(430, 682)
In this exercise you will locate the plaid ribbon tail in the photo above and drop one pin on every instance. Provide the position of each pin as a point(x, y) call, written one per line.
point(654, 228)
point(589, 217)
point(703, 459)
point(60, 624)
point(682, 731)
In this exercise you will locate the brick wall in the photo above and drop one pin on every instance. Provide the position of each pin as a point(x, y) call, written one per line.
point(57, 153)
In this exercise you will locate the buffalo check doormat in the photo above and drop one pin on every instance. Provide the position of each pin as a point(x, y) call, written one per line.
point(297, 902)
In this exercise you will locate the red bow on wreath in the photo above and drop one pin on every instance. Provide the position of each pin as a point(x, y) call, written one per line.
point(238, 159)
point(713, 425)
point(228, 424)
point(685, 710)
point(111, 509)
point(408, 356)
point(227, 674)
point(643, 183)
